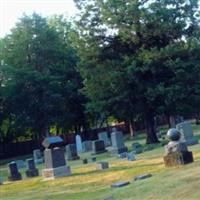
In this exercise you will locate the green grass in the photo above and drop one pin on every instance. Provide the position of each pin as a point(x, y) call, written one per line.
point(86, 183)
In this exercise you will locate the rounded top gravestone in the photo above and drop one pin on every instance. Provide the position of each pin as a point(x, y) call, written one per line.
point(173, 134)
point(52, 142)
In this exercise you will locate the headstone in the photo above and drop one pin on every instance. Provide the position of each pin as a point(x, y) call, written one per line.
point(87, 146)
point(71, 152)
point(54, 156)
point(131, 156)
point(98, 147)
point(104, 136)
point(186, 131)
point(122, 155)
point(37, 156)
point(20, 164)
point(85, 161)
point(14, 174)
point(120, 184)
point(79, 144)
point(137, 148)
point(118, 146)
point(32, 170)
point(176, 150)
point(93, 159)
point(141, 177)
point(102, 165)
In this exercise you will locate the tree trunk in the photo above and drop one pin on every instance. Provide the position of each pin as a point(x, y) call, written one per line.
point(131, 128)
point(172, 121)
point(197, 118)
point(150, 128)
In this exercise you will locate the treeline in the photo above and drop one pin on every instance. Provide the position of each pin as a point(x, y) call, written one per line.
point(129, 61)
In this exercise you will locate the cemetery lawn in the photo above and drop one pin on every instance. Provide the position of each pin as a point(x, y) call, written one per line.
point(86, 183)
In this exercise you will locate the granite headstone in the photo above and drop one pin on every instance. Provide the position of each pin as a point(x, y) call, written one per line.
point(98, 147)
point(118, 146)
point(14, 174)
point(32, 170)
point(71, 152)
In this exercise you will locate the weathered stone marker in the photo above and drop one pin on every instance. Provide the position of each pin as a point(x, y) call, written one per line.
point(118, 146)
point(102, 165)
point(54, 156)
point(14, 174)
point(186, 131)
point(85, 161)
point(120, 184)
point(87, 146)
point(79, 144)
point(131, 156)
point(98, 147)
point(37, 156)
point(32, 170)
point(71, 152)
point(176, 150)
point(137, 148)
point(141, 177)
point(104, 136)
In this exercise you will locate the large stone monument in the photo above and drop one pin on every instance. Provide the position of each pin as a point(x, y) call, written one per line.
point(176, 150)
point(104, 136)
point(37, 156)
point(186, 131)
point(71, 152)
point(54, 156)
point(98, 147)
point(32, 170)
point(79, 144)
point(87, 146)
point(14, 174)
point(118, 146)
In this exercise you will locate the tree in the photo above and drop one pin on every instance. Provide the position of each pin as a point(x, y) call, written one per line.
point(42, 84)
point(132, 54)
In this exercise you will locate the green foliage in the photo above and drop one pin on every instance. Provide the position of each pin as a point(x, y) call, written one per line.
point(40, 85)
point(138, 58)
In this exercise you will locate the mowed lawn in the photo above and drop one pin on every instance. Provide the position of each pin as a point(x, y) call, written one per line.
point(86, 183)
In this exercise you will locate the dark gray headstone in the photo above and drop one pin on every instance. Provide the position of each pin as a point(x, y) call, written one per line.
point(51, 142)
point(98, 147)
point(1, 181)
point(118, 146)
point(85, 161)
point(32, 170)
point(54, 158)
point(104, 136)
point(93, 159)
point(120, 184)
point(71, 152)
point(143, 176)
point(14, 174)
point(137, 148)
point(102, 165)
point(87, 146)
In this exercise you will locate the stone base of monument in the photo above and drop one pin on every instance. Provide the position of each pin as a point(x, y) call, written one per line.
point(52, 173)
point(115, 151)
point(32, 173)
point(102, 165)
point(178, 158)
point(15, 177)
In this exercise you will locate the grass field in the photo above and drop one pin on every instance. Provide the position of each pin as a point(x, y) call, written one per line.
point(86, 183)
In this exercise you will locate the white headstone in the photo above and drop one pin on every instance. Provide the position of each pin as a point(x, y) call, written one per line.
point(79, 144)
point(37, 156)
point(185, 128)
